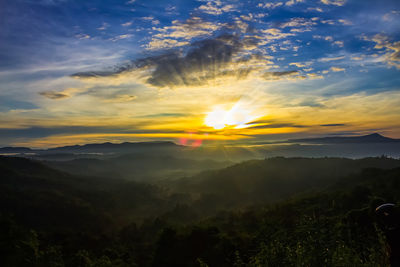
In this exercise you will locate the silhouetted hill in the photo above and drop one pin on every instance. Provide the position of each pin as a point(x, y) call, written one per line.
point(116, 148)
point(160, 148)
point(350, 147)
point(273, 212)
point(365, 139)
point(43, 197)
point(263, 181)
point(15, 150)
point(96, 148)
point(147, 167)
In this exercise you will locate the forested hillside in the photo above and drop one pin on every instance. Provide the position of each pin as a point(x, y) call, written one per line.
point(287, 212)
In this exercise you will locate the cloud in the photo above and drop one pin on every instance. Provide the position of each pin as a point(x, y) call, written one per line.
point(216, 8)
point(120, 99)
point(156, 44)
point(292, 2)
point(7, 104)
point(277, 125)
point(329, 39)
point(300, 30)
point(161, 115)
point(357, 58)
point(271, 34)
point(326, 38)
point(289, 75)
point(318, 9)
point(314, 76)
point(311, 103)
point(54, 95)
point(151, 19)
point(121, 37)
point(334, 2)
point(339, 43)
point(82, 36)
point(248, 17)
point(298, 22)
point(181, 32)
point(391, 15)
point(392, 49)
point(127, 24)
point(45, 131)
point(276, 75)
point(328, 59)
point(208, 60)
point(205, 61)
point(345, 22)
point(104, 26)
point(300, 65)
point(333, 125)
point(270, 5)
point(337, 69)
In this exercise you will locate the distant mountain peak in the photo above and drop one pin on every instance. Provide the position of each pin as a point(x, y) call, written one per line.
point(370, 138)
point(375, 135)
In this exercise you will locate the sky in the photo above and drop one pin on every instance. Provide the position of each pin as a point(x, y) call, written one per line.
point(197, 72)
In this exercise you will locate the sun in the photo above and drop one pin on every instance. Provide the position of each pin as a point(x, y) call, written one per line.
point(237, 117)
point(216, 118)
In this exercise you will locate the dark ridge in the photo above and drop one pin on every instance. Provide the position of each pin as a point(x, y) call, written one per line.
point(92, 147)
point(365, 139)
point(15, 150)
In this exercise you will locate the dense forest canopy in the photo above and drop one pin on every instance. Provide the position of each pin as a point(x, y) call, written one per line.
point(272, 212)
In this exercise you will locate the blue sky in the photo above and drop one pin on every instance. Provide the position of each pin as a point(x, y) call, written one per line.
point(92, 71)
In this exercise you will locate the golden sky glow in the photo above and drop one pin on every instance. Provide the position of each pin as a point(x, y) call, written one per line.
point(245, 73)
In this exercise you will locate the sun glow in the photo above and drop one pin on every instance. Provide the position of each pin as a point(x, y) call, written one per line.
point(238, 117)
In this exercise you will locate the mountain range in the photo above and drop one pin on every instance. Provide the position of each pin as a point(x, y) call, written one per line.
point(127, 147)
point(364, 139)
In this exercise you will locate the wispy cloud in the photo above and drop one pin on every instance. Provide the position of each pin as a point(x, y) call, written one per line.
point(280, 75)
point(121, 37)
point(120, 98)
point(127, 24)
point(337, 69)
point(57, 95)
point(328, 59)
point(300, 65)
point(392, 49)
point(334, 2)
point(104, 26)
point(216, 7)
point(333, 125)
point(179, 33)
point(292, 2)
point(317, 9)
point(270, 5)
point(298, 22)
point(54, 95)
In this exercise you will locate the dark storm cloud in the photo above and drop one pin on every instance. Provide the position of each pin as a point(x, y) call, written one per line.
point(205, 60)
